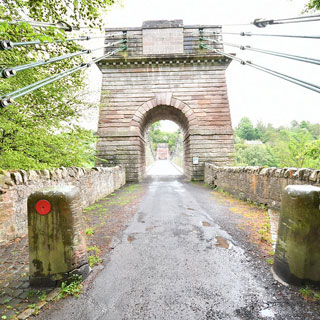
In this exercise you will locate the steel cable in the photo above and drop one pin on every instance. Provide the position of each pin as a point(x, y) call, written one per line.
point(7, 44)
point(262, 23)
point(60, 25)
point(299, 82)
point(249, 34)
point(274, 53)
point(10, 72)
point(12, 96)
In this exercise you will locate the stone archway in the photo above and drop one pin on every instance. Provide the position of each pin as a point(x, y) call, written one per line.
point(163, 99)
point(172, 79)
point(164, 107)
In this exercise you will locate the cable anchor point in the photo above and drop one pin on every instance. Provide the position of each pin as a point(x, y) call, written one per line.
point(5, 102)
point(6, 45)
point(8, 73)
point(261, 23)
point(66, 26)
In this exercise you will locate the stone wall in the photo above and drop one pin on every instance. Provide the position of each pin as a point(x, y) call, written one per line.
point(16, 186)
point(258, 184)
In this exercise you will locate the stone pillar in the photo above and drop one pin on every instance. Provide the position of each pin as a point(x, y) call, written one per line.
point(57, 248)
point(297, 257)
point(164, 75)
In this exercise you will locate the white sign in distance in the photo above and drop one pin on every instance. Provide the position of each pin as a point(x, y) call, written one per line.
point(195, 160)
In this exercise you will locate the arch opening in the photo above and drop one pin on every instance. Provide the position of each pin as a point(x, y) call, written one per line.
point(164, 149)
point(166, 112)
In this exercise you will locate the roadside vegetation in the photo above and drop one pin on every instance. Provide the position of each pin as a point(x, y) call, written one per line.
point(265, 145)
point(310, 294)
point(39, 130)
point(255, 220)
point(156, 135)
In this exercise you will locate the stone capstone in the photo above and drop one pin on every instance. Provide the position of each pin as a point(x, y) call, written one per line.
point(260, 185)
point(56, 240)
point(297, 256)
point(16, 187)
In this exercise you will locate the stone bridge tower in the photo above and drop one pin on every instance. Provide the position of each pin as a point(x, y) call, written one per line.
point(164, 75)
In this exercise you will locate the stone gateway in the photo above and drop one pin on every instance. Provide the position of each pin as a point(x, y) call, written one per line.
point(164, 75)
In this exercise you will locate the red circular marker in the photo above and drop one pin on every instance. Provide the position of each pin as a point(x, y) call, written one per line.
point(43, 207)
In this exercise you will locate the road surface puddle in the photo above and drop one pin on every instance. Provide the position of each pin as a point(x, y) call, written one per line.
point(205, 224)
point(221, 242)
point(131, 238)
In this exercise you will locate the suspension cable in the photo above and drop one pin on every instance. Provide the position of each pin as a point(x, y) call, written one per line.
point(249, 34)
point(299, 82)
point(11, 72)
point(234, 24)
point(12, 96)
point(262, 23)
point(60, 25)
point(274, 53)
point(7, 44)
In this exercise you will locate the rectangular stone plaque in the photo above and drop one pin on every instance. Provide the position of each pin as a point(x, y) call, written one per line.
point(163, 41)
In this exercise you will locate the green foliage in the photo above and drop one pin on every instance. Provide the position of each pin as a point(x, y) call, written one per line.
point(256, 155)
point(94, 249)
point(312, 5)
point(38, 131)
point(93, 258)
point(28, 147)
point(43, 296)
point(93, 261)
point(245, 130)
point(89, 232)
point(71, 11)
point(295, 146)
point(71, 288)
point(313, 149)
point(309, 294)
point(157, 136)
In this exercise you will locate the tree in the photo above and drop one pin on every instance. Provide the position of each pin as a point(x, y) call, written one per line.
point(295, 146)
point(89, 12)
point(38, 130)
point(313, 151)
point(294, 149)
point(157, 136)
point(245, 130)
point(312, 5)
point(256, 155)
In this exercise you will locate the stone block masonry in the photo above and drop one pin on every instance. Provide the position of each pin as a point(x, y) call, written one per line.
point(164, 75)
point(16, 186)
point(258, 184)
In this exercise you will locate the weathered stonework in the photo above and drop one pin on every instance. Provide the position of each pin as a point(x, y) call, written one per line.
point(162, 39)
point(259, 184)
point(57, 247)
point(173, 80)
point(16, 187)
point(297, 256)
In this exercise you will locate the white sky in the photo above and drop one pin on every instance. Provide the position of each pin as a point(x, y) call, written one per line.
point(252, 93)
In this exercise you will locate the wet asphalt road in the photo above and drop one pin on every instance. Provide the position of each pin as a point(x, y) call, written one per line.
point(176, 261)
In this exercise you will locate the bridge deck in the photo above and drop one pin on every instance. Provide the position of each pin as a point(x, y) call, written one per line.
point(183, 256)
